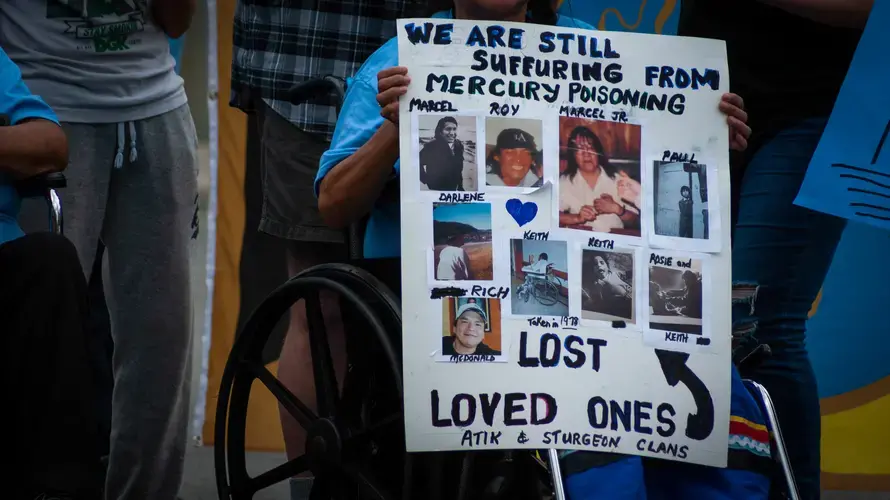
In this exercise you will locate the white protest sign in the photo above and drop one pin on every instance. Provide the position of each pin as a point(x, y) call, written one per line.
point(565, 275)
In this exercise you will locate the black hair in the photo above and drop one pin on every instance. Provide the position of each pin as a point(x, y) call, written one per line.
point(543, 256)
point(441, 125)
point(494, 166)
point(686, 188)
point(540, 11)
point(582, 131)
point(605, 259)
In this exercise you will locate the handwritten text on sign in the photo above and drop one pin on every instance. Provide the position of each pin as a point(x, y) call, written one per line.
point(530, 175)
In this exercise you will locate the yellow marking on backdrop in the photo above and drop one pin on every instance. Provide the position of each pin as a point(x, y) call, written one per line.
point(613, 10)
point(856, 441)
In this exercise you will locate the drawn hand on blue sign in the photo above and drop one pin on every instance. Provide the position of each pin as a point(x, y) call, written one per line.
point(849, 174)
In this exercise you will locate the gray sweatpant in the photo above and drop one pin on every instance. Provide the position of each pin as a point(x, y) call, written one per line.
point(146, 214)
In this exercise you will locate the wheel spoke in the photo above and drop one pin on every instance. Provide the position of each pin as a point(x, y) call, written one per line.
point(281, 473)
point(326, 392)
point(304, 415)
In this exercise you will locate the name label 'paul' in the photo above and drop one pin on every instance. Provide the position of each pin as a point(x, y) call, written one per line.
point(675, 157)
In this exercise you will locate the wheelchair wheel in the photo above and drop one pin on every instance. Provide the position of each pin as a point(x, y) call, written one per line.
point(546, 293)
point(355, 440)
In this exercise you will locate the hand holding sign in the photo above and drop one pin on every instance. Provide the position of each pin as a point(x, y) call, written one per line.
point(849, 175)
point(392, 83)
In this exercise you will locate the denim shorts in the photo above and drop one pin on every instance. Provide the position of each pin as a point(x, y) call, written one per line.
point(289, 161)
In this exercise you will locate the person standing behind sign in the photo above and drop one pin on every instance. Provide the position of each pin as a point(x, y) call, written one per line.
point(105, 68)
point(276, 45)
point(364, 153)
point(790, 76)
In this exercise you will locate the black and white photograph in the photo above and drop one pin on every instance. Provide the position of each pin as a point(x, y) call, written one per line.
point(675, 296)
point(607, 291)
point(681, 200)
point(447, 152)
point(513, 152)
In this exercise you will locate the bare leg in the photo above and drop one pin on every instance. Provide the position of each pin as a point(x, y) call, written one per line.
point(295, 364)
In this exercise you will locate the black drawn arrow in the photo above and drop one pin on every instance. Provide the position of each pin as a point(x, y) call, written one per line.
point(700, 424)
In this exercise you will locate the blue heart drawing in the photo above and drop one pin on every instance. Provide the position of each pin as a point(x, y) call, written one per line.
point(522, 213)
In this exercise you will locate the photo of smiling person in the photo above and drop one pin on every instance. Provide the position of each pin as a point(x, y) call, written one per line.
point(513, 159)
point(470, 327)
point(447, 157)
point(599, 181)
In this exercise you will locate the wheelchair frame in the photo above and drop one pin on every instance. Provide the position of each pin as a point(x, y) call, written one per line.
point(328, 434)
point(44, 186)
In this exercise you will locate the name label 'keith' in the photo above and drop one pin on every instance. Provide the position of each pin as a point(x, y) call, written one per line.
point(593, 242)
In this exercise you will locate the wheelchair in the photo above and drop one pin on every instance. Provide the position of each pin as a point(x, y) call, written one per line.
point(355, 440)
point(543, 287)
point(43, 186)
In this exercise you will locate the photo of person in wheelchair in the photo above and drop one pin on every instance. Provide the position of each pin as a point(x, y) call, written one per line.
point(536, 275)
point(46, 379)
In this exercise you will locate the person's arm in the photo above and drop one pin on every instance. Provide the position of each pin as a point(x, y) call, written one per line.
point(569, 219)
point(355, 169)
point(31, 142)
point(349, 190)
point(630, 218)
point(173, 16)
point(31, 148)
point(841, 13)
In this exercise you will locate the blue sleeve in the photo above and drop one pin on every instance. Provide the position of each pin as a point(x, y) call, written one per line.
point(16, 101)
point(358, 122)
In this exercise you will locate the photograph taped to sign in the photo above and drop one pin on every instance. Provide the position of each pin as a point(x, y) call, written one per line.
point(677, 297)
point(471, 331)
point(608, 287)
point(572, 372)
point(600, 177)
point(446, 152)
point(685, 205)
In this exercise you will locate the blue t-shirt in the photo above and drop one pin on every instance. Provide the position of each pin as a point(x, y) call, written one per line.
point(17, 103)
point(359, 120)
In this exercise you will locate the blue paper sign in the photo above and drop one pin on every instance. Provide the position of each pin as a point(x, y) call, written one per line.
point(849, 175)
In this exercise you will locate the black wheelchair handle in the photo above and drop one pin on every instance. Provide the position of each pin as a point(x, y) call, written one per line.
point(317, 88)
